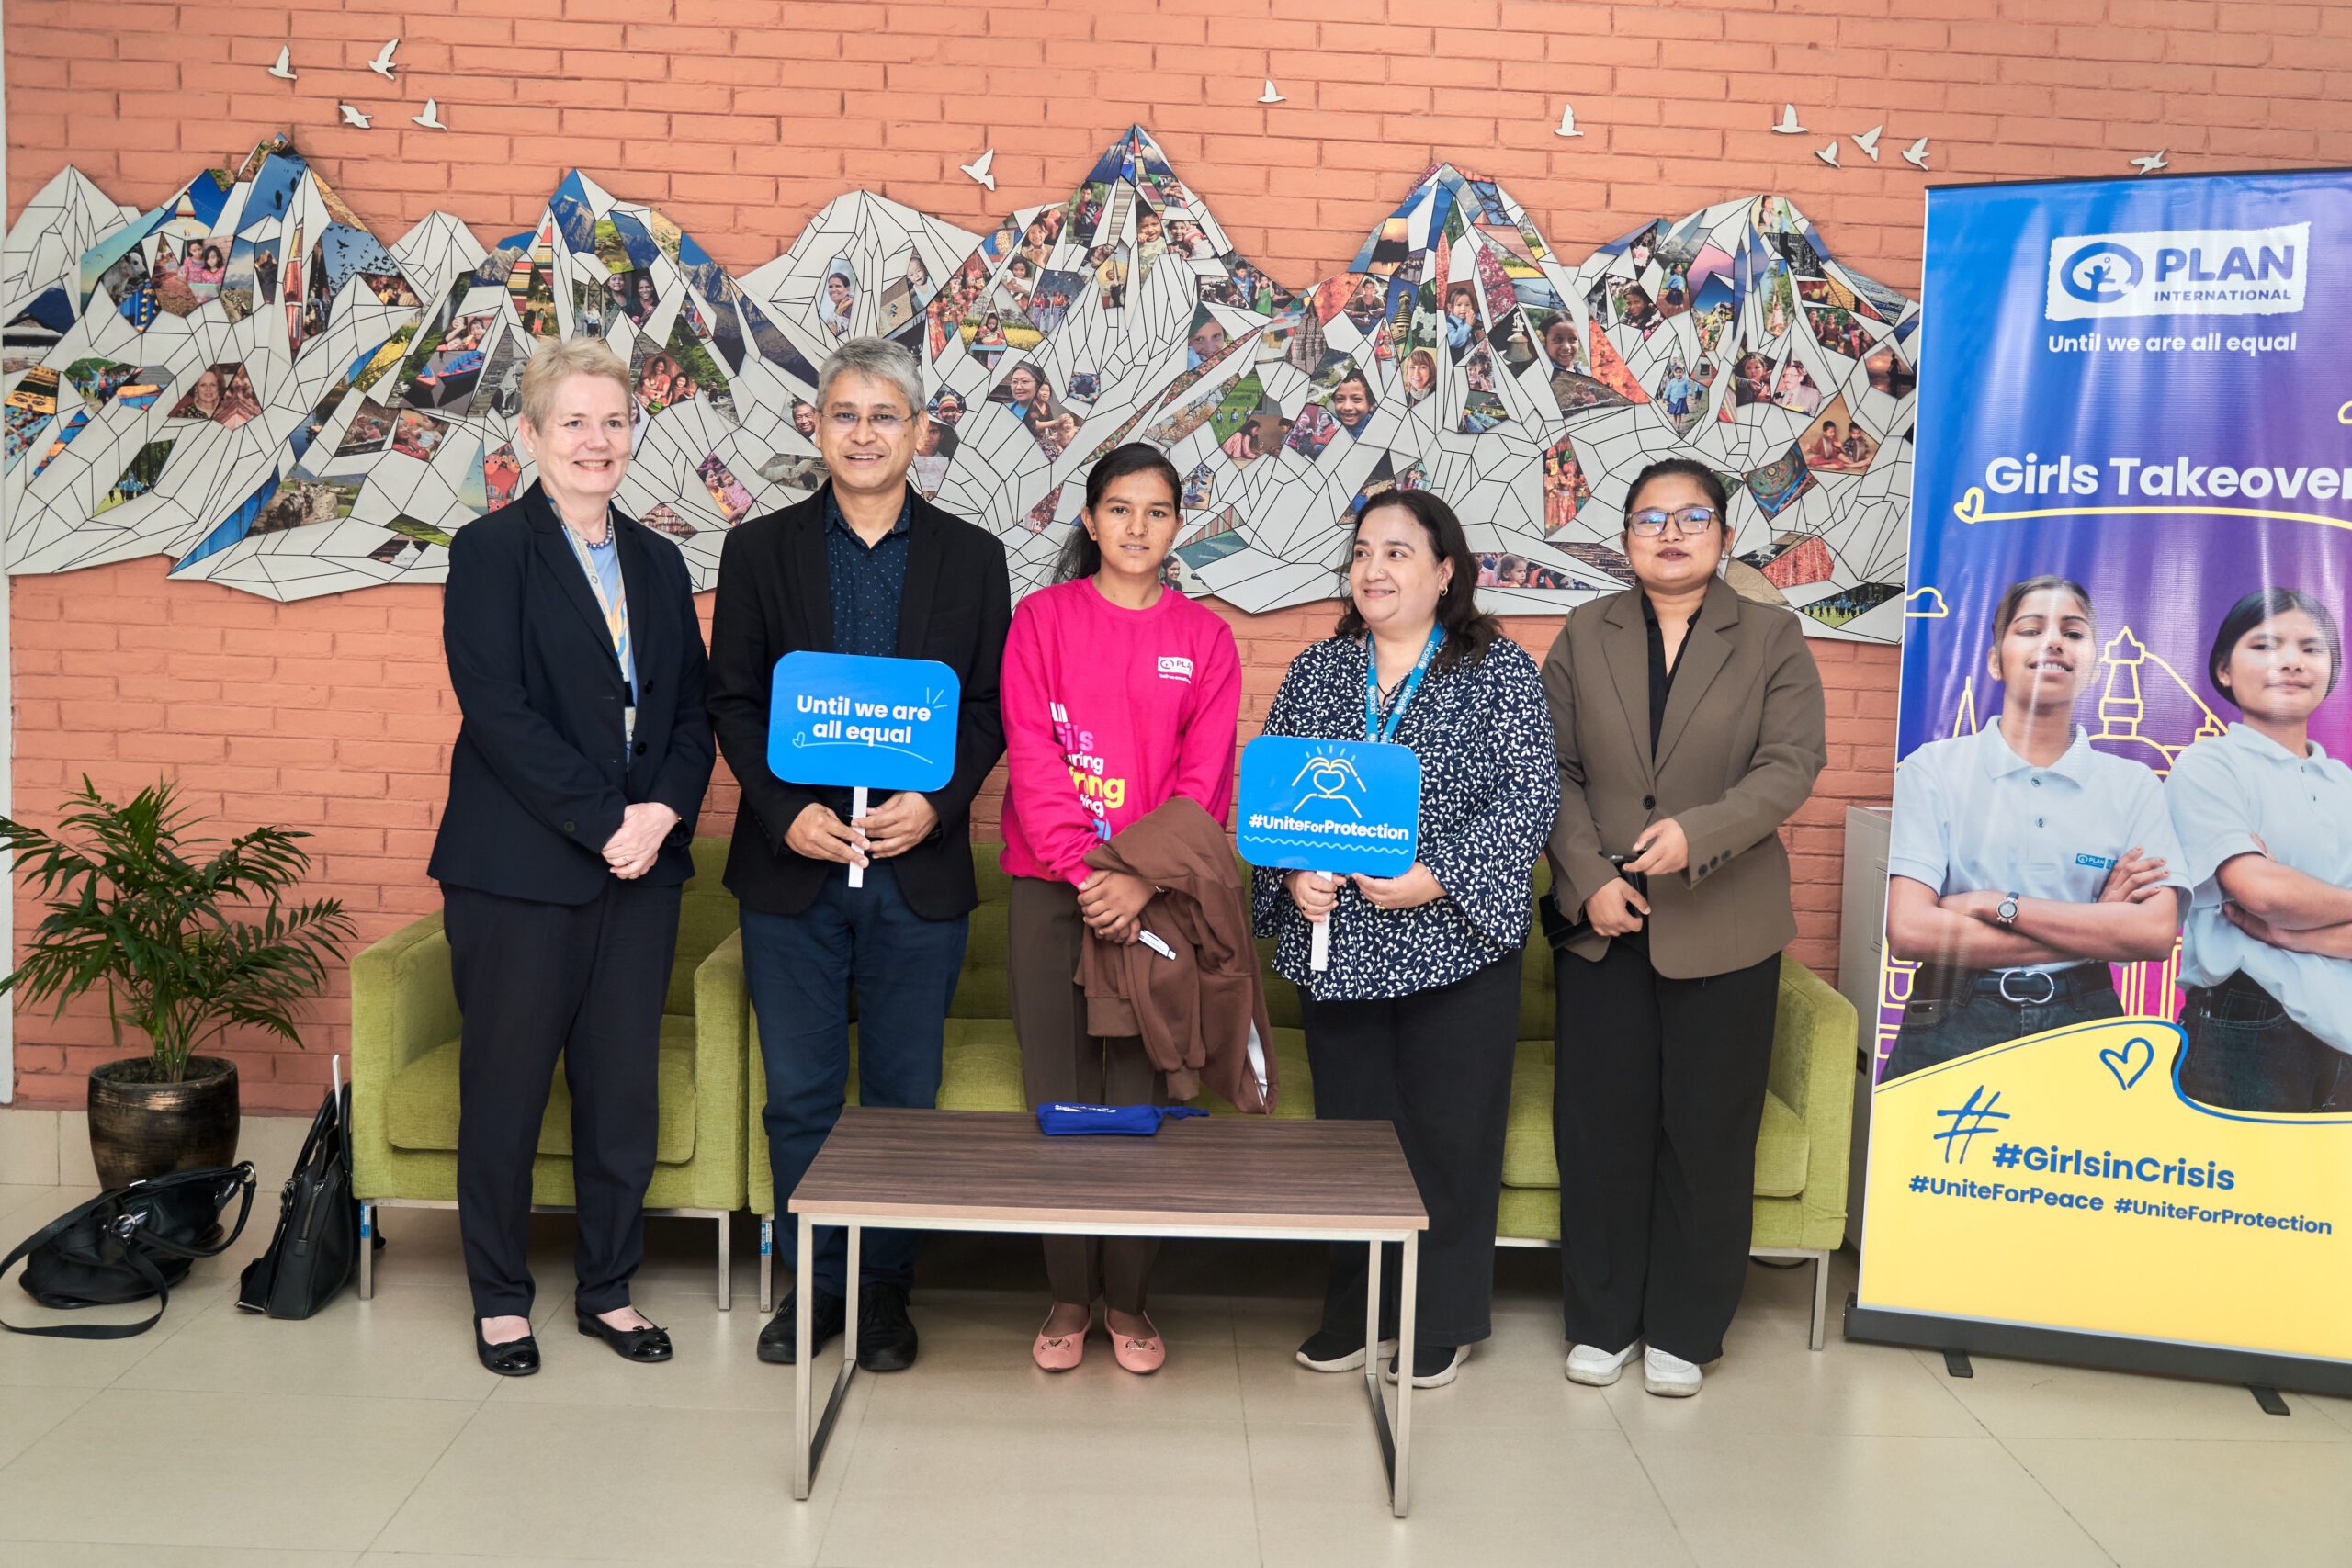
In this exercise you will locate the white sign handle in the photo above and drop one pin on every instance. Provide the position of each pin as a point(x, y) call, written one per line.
point(856, 815)
point(1319, 958)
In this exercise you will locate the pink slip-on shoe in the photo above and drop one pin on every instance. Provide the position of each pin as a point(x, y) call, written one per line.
point(1061, 1352)
point(1140, 1354)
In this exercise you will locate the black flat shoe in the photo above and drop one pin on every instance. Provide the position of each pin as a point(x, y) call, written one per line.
point(515, 1358)
point(651, 1344)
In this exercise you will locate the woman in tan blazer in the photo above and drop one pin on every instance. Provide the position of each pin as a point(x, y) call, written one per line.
point(1689, 723)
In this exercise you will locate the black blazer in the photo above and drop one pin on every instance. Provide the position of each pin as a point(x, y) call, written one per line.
point(775, 597)
point(538, 780)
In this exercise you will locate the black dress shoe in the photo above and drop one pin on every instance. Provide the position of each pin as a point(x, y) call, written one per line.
point(885, 1334)
point(778, 1344)
point(649, 1343)
point(515, 1358)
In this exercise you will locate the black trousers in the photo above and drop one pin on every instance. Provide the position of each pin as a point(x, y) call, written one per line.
point(533, 981)
point(1436, 1064)
point(1657, 1090)
point(1060, 1061)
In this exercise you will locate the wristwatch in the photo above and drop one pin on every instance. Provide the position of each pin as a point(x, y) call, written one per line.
point(2006, 916)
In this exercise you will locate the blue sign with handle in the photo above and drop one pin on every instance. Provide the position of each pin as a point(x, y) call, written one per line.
point(880, 724)
point(1342, 806)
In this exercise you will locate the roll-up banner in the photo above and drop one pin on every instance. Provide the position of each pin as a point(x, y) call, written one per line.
point(2112, 1121)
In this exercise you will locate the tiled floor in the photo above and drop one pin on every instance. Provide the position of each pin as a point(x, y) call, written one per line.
point(369, 1435)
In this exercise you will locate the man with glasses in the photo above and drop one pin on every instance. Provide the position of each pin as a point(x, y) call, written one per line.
point(865, 566)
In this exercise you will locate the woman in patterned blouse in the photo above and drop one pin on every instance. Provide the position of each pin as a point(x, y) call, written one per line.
point(1414, 1023)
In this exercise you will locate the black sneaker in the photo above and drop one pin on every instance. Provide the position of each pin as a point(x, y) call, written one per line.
point(885, 1334)
point(1328, 1352)
point(779, 1341)
point(1434, 1366)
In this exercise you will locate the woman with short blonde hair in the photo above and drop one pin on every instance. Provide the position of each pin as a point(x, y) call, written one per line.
point(552, 363)
point(577, 661)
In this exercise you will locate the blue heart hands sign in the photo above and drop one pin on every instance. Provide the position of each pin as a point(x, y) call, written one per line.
point(1342, 806)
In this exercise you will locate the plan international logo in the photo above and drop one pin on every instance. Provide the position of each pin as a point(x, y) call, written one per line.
point(2180, 272)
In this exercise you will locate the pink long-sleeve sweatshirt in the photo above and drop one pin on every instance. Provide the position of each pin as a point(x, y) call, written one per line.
point(1108, 713)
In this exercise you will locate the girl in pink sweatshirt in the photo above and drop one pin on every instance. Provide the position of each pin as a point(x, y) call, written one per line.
point(1119, 693)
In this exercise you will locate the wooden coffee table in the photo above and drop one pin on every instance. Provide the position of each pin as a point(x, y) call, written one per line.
point(1245, 1176)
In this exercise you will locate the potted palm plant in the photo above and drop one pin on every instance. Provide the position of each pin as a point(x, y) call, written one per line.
point(186, 948)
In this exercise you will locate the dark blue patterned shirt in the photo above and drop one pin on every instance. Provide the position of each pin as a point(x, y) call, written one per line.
point(867, 582)
point(1490, 786)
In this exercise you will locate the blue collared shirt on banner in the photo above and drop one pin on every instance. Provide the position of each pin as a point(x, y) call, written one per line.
point(2225, 794)
point(1972, 816)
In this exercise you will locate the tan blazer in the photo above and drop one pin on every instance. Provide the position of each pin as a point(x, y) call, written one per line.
point(1738, 754)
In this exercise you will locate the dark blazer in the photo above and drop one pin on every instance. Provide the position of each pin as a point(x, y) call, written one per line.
point(1742, 741)
point(775, 598)
point(538, 780)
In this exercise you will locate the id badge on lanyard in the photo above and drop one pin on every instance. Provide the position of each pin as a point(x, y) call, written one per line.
point(1372, 728)
point(615, 613)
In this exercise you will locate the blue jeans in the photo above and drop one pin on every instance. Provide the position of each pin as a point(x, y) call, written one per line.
point(799, 969)
point(1939, 1028)
point(2246, 1053)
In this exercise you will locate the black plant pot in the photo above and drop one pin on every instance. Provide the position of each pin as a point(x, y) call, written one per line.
point(142, 1127)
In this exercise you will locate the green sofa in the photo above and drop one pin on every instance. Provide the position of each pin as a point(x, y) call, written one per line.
point(1800, 1154)
point(404, 1075)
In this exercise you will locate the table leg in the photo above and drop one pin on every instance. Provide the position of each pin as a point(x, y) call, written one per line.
point(854, 1239)
point(804, 1329)
point(1406, 1290)
point(1373, 1367)
point(813, 1442)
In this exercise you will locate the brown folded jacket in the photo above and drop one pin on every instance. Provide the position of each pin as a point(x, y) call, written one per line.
point(1201, 1014)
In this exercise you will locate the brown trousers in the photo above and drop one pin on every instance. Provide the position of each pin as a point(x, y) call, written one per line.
point(1060, 1061)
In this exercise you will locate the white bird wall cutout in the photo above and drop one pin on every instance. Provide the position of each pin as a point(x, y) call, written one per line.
point(353, 116)
point(1828, 155)
point(1270, 95)
point(978, 168)
point(284, 69)
point(1567, 121)
point(2152, 163)
point(1787, 126)
point(382, 64)
point(1917, 154)
point(1868, 141)
point(431, 117)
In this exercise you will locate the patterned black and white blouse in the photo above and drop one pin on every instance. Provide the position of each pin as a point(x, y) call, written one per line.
point(1490, 785)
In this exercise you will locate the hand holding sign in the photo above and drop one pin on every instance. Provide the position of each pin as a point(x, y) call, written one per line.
point(1344, 807)
point(886, 724)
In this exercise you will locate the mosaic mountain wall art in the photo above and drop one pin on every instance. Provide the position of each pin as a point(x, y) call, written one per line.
point(247, 380)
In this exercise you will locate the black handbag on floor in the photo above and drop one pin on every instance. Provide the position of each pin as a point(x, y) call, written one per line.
point(317, 1244)
point(130, 1244)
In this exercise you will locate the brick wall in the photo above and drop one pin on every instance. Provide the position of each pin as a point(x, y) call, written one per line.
point(740, 117)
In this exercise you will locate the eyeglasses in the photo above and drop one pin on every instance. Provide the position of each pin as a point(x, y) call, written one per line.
point(885, 424)
point(1687, 520)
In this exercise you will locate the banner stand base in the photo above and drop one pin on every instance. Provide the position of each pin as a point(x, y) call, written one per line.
point(2108, 1352)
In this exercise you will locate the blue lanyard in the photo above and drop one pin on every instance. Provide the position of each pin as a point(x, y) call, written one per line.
point(1373, 729)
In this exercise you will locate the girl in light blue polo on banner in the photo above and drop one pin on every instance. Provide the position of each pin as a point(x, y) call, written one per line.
point(2265, 817)
point(2023, 860)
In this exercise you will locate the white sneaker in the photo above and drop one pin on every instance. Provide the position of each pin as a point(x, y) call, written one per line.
point(1592, 1365)
point(1669, 1376)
